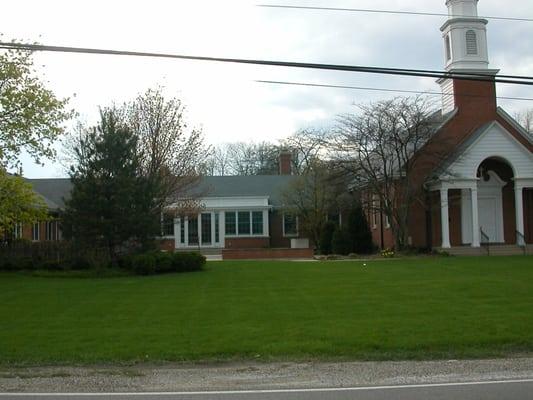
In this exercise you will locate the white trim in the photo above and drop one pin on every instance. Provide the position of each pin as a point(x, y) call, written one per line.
point(290, 235)
point(268, 391)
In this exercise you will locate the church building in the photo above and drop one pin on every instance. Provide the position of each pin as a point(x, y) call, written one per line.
point(481, 193)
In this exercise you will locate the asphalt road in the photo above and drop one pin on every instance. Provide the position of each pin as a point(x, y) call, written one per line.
point(496, 390)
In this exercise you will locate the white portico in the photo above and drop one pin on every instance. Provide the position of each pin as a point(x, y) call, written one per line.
point(489, 165)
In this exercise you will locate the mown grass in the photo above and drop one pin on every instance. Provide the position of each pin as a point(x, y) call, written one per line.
point(399, 309)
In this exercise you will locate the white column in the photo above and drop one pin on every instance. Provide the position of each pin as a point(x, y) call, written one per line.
point(222, 229)
point(265, 223)
point(519, 207)
point(177, 233)
point(186, 231)
point(475, 218)
point(444, 218)
point(213, 237)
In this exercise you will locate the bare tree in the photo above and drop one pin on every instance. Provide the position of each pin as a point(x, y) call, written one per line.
point(313, 195)
point(307, 146)
point(525, 118)
point(240, 158)
point(380, 147)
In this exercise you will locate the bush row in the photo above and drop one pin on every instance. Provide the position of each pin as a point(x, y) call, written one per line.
point(140, 264)
point(161, 263)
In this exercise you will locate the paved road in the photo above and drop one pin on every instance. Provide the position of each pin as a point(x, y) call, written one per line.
point(497, 390)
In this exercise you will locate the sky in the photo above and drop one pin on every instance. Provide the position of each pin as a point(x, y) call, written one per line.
point(225, 100)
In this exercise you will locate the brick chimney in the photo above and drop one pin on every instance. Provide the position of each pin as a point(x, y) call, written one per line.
point(285, 163)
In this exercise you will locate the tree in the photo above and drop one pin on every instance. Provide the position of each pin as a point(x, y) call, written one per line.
point(525, 118)
point(18, 202)
point(31, 116)
point(307, 146)
point(359, 232)
point(379, 148)
point(313, 196)
point(171, 156)
point(110, 201)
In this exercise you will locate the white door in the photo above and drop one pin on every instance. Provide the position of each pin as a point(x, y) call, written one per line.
point(487, 218)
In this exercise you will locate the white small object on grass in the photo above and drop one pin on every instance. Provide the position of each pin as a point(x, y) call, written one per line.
point(364, 264)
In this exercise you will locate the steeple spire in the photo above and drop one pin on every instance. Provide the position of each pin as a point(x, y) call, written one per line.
point(465, 50)
point(465, 37)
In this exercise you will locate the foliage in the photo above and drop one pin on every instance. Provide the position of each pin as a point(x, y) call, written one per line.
point(326, 237)
point(18, 202)
point(381, 148)
point(387, 253)
point(110, 203)
point(313, 196)
point(159, 262)
point(31, 116)
point(359, 232)
point(341, 242)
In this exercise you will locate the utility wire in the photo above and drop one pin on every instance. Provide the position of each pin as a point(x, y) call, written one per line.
point(374, 11)
point(372, 89)
point(331, 67)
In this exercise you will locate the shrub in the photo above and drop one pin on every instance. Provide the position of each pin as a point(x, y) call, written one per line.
point(387, 253)
point(185, 262)
point(163, 262)
point(144, 264)
point(340, 243)
point(326, 237)
point(359, 232)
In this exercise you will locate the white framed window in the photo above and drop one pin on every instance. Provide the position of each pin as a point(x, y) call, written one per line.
point(17, 231)
point(52, 231)
point(387, 221)
point(167, 225)
point(374, 211)
point(244, 223)
point(36, 232)
point(290, 225)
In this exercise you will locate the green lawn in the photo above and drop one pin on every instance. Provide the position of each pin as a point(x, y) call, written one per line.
point(397, 309)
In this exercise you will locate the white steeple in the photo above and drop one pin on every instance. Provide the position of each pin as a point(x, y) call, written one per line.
point(465, 37)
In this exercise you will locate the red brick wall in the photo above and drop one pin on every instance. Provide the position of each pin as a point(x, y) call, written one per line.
point(251, 254)
point(276, 231)
point(247, 243)
point(166, 244)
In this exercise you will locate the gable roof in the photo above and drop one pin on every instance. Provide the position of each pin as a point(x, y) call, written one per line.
point(270, 186)
point(55, 190)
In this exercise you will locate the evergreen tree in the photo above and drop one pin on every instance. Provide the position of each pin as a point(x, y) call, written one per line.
point(111, 203)
point(359, 232)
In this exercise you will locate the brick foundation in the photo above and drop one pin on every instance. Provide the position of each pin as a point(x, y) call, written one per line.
point(252, 254)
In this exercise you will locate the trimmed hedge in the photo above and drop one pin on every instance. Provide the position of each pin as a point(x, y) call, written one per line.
point(151, 263)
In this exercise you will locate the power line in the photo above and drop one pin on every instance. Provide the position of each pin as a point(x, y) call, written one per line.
point(372, 89)
point(374, 11)
point(516, 80)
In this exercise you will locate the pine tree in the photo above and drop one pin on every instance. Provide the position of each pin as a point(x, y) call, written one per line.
point(110, 203)
point(359, 232)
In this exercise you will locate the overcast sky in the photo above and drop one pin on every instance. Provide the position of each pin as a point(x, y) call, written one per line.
point(224, 99)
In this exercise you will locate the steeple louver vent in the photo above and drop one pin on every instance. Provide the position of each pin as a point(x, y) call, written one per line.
point(471, 42)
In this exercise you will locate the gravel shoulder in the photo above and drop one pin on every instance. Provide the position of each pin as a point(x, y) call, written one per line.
point(243, 376)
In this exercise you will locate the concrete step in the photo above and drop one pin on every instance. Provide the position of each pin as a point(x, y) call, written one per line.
point(493, 250)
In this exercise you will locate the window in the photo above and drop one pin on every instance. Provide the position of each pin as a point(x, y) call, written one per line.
point(35, 232)
point(217, 228)
point(374, 212)
point(193, 231)
point(182, 230)
point(167, 225)
point(290, 224)
point(257, 222)
point(448, 47)
point(206, 228)
point(17, 231)
point(387, 221)
point(471, 42)
point(51, 230)
point(243, 222)
point(231, 223)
